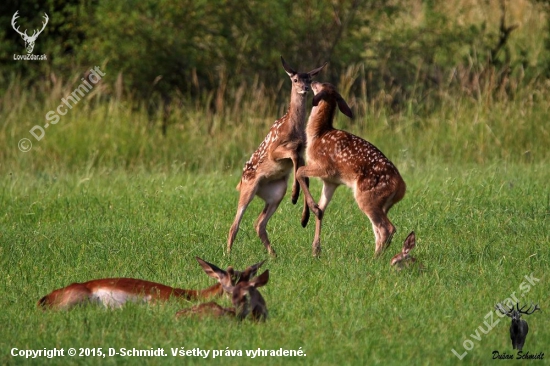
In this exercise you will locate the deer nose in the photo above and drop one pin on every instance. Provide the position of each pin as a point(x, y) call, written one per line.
point(315, 86)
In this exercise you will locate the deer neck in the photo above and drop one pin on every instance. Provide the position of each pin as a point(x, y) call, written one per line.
point(320, 120)
point(297, 111)
point(212, 291)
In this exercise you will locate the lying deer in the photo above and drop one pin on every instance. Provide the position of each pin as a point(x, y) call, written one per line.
point(519, 327)
point(245, 297)
point(266, 173)
point(208, 309)
point(338, 157)
point(115, 292)
point(404, 259)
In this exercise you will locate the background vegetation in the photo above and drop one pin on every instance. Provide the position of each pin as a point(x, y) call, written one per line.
point(138, 178)
point(456, 80)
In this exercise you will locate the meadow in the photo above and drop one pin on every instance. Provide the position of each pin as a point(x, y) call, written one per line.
point(104, 194)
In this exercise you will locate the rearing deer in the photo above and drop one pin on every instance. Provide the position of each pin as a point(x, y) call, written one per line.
point(266, 173)
point(338, 157)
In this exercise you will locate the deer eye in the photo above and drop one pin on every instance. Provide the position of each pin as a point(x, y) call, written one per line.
point(295, 80)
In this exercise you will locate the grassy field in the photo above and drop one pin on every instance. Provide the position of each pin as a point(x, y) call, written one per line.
point(480, 230)
point(104, 194)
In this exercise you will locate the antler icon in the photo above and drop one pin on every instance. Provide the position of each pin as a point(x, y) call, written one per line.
point(29, 40)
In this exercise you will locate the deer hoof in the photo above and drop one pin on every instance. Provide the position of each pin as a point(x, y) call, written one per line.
point(316, 250)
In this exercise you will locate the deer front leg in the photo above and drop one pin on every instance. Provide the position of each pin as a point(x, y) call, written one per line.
point(305, 212)
point(301, 176)
point(298, 161)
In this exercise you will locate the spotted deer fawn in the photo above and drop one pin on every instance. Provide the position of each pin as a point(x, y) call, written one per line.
point(338, 157)
point(245, 297)
point(519, 327)
point(266, 173)
point(115, 292)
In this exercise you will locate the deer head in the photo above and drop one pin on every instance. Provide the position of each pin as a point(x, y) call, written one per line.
point(244, 294)
point(515, 314)
point(247, 299)
point(29, 40)
point(301, 81)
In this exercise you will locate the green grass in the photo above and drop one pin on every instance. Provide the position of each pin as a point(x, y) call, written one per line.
point(103, 194)
point(480, 229)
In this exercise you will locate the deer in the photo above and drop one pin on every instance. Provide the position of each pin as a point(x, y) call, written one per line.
point(267, 172)
point(519, 327)
point(115, 292)
point(208, 309)
point(29, 40)
point(339, 158)
point(404, 259)
point(245, 297)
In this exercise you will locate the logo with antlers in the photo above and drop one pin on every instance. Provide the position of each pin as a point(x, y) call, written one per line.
point(519, 327)
point(29, 40)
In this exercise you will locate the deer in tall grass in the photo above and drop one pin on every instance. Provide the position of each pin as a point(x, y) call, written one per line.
point(338, 157)
point(245, 297)
point(267, 172)
point(519, 327)
point(115, 292)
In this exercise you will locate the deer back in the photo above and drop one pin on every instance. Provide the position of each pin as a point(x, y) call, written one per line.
point(345, 156)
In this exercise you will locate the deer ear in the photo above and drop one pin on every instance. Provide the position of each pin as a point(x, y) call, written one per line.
point(261, 280)
point(409, 243)
point(211, 269)
point(313, 73)
point(251, 271)
point(344, 108)
point(317, 98)
point(289, 70)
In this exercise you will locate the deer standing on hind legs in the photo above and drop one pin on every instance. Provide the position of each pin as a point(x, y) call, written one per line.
point(338, 157)
point(266, 173)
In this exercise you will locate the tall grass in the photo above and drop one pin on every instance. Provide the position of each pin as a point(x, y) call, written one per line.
point(107, 132)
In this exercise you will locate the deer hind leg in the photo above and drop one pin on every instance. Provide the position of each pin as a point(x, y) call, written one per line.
point(248, 191)
point(326, 196)
point(272, 193)
point(383, 230)
point(66, 298)
point(376, 209)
